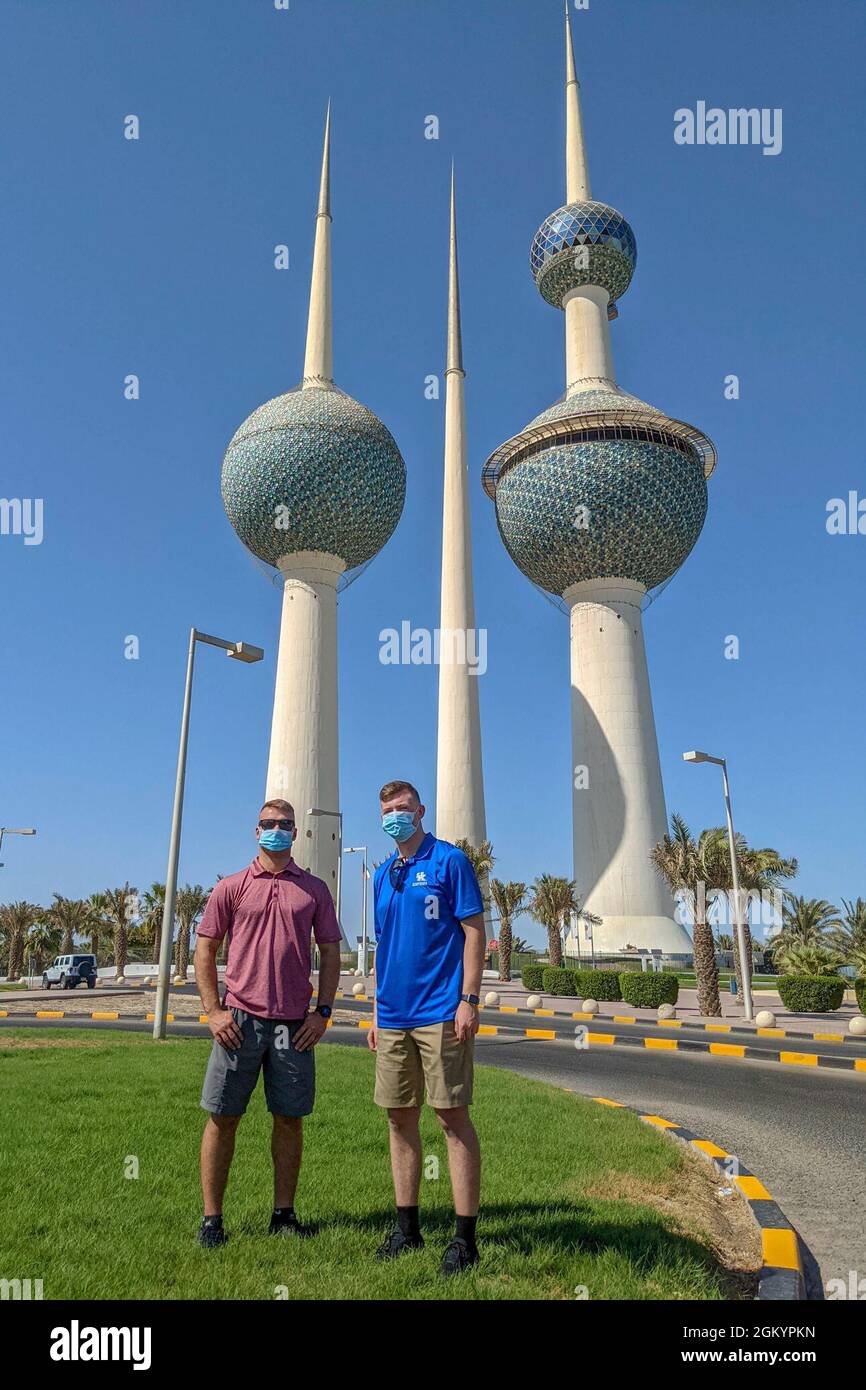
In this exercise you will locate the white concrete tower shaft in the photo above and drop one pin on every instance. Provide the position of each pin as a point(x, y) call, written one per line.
point(459, 779)
point(303, 765)
point(618, 797)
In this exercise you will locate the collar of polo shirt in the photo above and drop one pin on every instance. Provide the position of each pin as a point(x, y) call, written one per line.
point(258, 868)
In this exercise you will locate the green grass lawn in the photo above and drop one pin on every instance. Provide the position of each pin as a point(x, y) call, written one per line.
point(567, 1187)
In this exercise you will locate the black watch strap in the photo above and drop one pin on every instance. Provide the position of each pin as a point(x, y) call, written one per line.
point(325, 1010)
point(471, 999)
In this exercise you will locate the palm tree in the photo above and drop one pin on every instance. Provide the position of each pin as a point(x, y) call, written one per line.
point(71, 916)
point(552, 903)
point(118, 918)
point(190, 904)
point(807, 920)
point(17, 919)
point(482, 860)
point(807, 958)
point(153, 906)
point(97, 920)
point(43, 939)
point(759, 871)
point(678, 859)
point(509, 899)
point(850, 936)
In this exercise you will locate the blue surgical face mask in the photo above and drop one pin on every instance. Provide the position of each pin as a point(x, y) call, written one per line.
point(276, 841)
point(400, 825)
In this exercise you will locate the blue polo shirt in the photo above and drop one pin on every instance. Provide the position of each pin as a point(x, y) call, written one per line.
point(418, 905)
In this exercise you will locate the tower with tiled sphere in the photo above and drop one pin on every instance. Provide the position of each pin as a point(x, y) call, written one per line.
point(313, 484)
point(599, 500)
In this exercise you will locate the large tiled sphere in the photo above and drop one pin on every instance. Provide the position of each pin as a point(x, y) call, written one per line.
point(613, 508)
point(313, 470)
point(610, 251)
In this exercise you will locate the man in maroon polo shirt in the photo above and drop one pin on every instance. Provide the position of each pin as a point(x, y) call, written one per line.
point(270, 910)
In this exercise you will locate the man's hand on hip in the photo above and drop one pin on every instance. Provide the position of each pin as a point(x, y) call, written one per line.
point(465, 1021)
point(222, 1024)
point(309, 1033)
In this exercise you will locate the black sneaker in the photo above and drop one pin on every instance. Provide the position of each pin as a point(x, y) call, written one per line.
point(211, 1234)
point(397, 1244)
point(290, 1226)
point(458, 1256)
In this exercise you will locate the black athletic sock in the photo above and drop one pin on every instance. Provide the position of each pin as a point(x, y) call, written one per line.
point(284, 1214)
point(213, 1220)
point(466, 1230)
point(408, 1222)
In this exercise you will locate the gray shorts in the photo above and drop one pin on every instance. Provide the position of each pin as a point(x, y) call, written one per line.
point(290, 1075)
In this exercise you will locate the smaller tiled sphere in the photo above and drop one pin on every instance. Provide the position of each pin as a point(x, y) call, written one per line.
point(610, 251)
point(313, 470)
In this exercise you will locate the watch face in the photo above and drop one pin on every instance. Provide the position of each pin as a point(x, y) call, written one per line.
point(324, 1011)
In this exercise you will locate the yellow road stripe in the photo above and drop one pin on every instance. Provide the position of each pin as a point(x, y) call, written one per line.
point(781, 1249)
point(539, 1032)
point(860, 1064)
point(169, 1018)
point(202, 1018)
point(669, 1022)
point(708, 1147)
point(548, 1013)
point(365, 1023)
point(602, 1100)
point(601, 1037)
point(829, 1037)
point(49, 1013)
point(753, 1189)
point(106, 1015)
point(667, 1043)
point(657, 1120)
point(624, 1018)
point(717, 1027)
point(4, 1013)
point(582, 1015)
point(508, 1009)
point(799, 1059)
point(727, 1050)
point(771, 1032)
point(487, 1028)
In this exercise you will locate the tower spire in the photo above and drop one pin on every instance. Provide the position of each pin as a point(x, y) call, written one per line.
point(454, 362)
point(459, 777)
point(576, 171)
point(318, 359)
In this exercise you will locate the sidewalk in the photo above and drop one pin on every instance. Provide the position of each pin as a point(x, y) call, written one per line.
point(514, 995)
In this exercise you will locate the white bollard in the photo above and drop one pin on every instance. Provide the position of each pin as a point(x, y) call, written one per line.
point(359, 988)
point(534, 1001)
point(857, 1026)
point(765, 1018)
point(666, 1011)
point(491, 998)
point(589, 1006)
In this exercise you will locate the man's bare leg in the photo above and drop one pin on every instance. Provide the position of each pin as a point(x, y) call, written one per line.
point(217, 1150)
point(287, 1144)
point(464, 1166)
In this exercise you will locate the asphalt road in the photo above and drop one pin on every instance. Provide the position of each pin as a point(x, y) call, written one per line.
point(801, 1131)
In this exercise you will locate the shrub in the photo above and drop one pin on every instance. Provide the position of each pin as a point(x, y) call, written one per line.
point(811, 994)
point(860, 993)
point(559, 980)
point(598, 984)
point(531, 976)
point(648, 991)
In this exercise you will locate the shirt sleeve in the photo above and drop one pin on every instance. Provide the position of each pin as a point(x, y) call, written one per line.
point(326, 928)
point(219, 911)
point(466, 900)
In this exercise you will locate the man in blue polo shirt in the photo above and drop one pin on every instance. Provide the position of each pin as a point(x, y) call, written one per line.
point(430, 943)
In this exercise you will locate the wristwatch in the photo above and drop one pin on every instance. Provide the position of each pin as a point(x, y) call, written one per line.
point(471, 999)
point(325, 1010)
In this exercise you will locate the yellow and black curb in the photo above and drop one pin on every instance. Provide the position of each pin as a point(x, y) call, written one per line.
point(781, 1276)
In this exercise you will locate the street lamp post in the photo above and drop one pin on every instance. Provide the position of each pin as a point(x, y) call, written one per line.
point(362, 960)
point(8, 830)
point(239, 651)
point(739, 923)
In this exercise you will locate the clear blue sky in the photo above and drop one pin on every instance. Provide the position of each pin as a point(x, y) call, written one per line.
point(156, 257)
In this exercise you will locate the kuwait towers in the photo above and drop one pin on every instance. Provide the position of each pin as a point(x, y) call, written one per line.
point(314, 485)
point(459, 782)
point(598, 501)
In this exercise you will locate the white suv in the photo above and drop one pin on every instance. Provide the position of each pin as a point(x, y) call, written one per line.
point(70, 971)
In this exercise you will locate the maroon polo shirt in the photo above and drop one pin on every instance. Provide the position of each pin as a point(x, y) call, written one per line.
point(270, 919)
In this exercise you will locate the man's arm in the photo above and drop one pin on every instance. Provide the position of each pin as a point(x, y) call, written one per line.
point(474, 948)
point(220, 1021)
point(313, 1026)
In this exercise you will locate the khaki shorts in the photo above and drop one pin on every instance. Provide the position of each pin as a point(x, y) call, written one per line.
point(410, 1060)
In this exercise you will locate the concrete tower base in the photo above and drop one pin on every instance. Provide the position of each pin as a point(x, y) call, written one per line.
point(303, 765)
point(618, 800)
